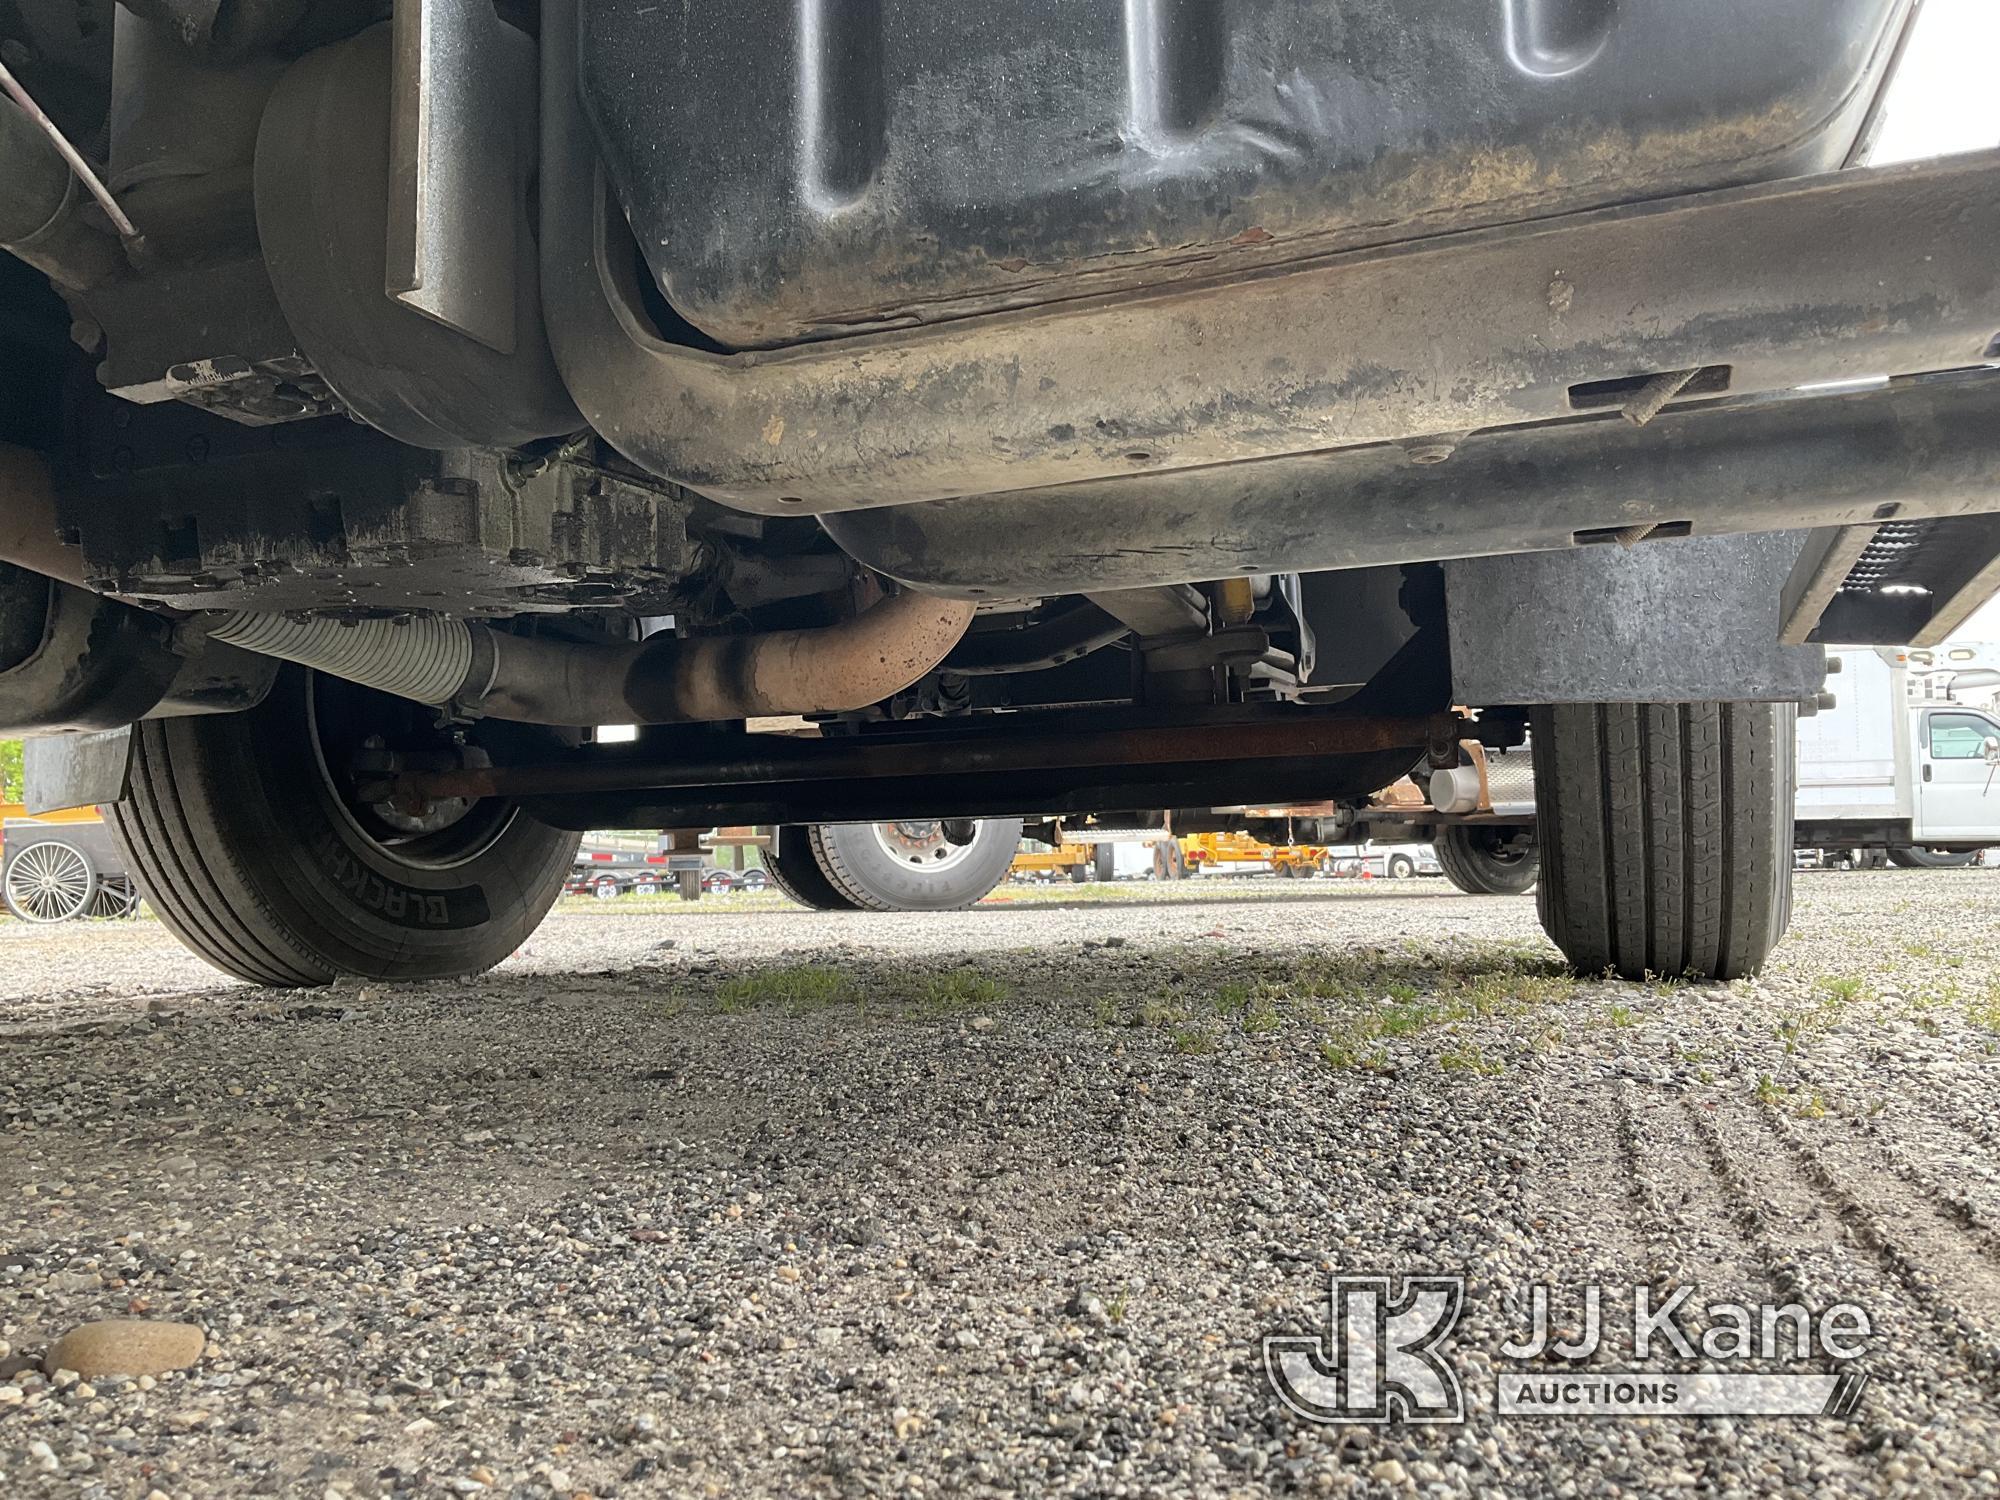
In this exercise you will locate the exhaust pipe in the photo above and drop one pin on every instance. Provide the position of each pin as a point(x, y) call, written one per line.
point(442, 661)
point(474, 668)
point(41, 202)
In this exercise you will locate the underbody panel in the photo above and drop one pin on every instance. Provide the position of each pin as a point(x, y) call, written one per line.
point(798, 169)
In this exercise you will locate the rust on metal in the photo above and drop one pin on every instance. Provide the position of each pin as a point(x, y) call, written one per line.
point(744, 759)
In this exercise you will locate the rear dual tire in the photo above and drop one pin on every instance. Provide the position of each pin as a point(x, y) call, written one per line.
point(907, 866)
point(1665, 833)
point(1487, 861)
point(915, 866)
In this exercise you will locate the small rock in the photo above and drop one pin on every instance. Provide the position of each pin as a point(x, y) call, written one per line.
point(1389, 1471)
point(126, 1346)
point(982, 1023)
point(477, 1138)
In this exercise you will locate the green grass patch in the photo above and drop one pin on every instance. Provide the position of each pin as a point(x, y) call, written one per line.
point(1367, 1000)
point(1470, 1061)
point(1261, 1017)
point(1343, 1058)
point(798, 989)
point(960, 990)
point(1234, 998)
point(1832, 1002)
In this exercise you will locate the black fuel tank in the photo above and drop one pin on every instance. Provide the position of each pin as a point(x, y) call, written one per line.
point(798, 169)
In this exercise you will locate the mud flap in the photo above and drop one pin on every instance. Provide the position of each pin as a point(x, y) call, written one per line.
point(76, 770)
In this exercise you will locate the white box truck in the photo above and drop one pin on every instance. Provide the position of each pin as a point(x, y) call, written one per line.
point(1902, 766)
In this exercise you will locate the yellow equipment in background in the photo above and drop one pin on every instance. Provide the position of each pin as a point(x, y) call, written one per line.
point(1039, 861)
point(1221, 851)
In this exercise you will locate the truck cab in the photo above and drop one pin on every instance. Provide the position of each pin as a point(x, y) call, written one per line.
point(1897, 763)
point(1958, 760)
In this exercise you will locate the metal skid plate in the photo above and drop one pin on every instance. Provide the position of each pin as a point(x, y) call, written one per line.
point(804, 168)
point(1768, 288)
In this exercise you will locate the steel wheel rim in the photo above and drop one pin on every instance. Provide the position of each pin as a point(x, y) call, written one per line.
point(48, 882)
point(921, 846)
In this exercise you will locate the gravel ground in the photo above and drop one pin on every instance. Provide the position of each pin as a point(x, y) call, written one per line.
point(733, 1199)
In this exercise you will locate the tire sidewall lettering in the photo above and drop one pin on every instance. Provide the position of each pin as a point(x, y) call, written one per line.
point(393, 902)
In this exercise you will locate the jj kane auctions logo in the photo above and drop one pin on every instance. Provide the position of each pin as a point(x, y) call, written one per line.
point(1384, 1355)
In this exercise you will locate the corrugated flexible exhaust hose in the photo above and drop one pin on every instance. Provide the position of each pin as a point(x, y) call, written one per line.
point(665, 680)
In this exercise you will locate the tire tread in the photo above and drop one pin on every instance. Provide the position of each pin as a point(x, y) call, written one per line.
point(1665, 834)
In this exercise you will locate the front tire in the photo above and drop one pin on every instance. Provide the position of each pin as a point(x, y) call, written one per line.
point(1665, 834)
point(1487, 861)
point(245, 839)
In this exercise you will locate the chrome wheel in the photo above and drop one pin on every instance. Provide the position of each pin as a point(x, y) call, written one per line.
point(930, 865)
point(922, 846)
point(49, 882)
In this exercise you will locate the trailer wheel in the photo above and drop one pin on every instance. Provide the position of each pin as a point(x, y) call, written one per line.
point(1484, 861)
point(915, 866)
point(117, 897)
point(246, 837)
point(49, 881)
point(1666, 834)
point(794, 870)
point(1910, 857)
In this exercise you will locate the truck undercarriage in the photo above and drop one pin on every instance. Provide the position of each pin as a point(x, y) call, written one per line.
point(1043, 408)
